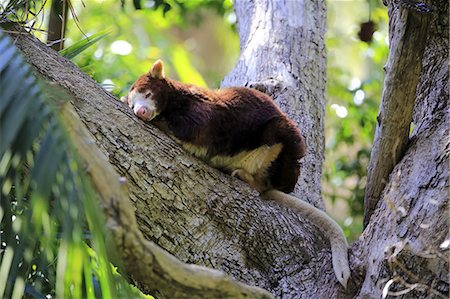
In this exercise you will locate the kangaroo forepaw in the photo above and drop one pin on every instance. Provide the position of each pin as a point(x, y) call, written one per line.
point(243, 175)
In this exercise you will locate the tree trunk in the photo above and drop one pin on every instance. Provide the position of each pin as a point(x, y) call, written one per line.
point(57, 23)
point(407, 37)
point(405, 248)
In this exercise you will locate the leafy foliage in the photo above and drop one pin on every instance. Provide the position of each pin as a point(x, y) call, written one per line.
point(82, 45)
point(194, 54)
point(354, 86)
point(184, 7)
point(21, 11)
point(49, 219)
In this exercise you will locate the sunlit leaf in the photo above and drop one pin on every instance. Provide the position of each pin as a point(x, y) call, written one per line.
point(47, 202)
point(78, 47)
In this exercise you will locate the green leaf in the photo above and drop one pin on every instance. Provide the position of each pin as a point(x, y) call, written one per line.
point(184, 68)
point(12, 86)
point(7, 51)
point(80, 46)
point(47, 203)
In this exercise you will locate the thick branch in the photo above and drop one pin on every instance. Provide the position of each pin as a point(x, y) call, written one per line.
point(405, 246)
point(408, 35)
point(155, 270)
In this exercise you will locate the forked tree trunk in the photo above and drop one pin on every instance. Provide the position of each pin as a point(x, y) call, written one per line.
point(205, 217)
point(405, 247)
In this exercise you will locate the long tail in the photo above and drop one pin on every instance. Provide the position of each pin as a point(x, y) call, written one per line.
point(339, 246)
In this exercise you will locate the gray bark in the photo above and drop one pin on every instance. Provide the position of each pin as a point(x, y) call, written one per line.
point(402, 249)
point(153, 269)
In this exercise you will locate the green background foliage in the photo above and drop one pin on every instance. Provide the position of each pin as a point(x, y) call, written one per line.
point(196, 43)
point(51, 236)
point(354, 86)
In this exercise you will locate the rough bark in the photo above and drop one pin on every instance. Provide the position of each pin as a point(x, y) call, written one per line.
point(152, 268)
point(402, 250)
point(199, 214)
point(407, 38)
point(283, 54)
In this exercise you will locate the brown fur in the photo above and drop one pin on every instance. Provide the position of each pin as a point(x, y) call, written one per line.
point(227, 122)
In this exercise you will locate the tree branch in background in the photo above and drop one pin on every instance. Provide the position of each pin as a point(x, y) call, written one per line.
point(57, 24)
point(408, 37)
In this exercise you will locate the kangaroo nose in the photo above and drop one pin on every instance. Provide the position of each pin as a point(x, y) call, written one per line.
point(143, 113)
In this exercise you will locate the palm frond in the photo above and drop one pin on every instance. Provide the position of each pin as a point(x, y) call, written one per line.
point(80, 46)
point(25, 12)
point(47, 205)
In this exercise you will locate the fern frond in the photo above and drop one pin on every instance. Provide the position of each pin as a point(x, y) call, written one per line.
point(47, 205)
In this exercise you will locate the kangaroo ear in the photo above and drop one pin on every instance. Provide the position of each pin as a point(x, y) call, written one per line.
point(157, 70)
